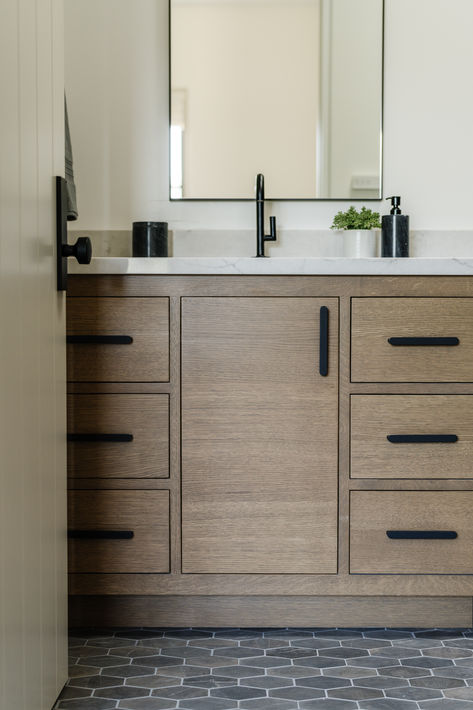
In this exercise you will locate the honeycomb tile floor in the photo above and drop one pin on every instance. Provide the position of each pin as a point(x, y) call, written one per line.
point(270, 669)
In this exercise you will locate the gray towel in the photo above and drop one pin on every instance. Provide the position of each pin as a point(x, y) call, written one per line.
point(72, 213)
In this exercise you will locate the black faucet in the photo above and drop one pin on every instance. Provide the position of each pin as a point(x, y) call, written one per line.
point(261, 237)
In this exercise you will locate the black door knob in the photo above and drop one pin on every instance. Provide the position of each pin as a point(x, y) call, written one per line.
point(82, 250)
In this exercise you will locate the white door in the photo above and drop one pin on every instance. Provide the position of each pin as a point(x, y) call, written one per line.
point(33, 659)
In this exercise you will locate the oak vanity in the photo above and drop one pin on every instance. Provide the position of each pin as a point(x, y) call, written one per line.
point(271, 449)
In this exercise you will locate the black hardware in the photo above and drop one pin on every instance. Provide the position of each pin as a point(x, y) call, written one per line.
point(100, 437)
point(82, 249)
point(421, 534)
point(100, 534)
point(99, 339)
point(261, 237)
point(323, 356)
point(423, 341)
point(422, 438)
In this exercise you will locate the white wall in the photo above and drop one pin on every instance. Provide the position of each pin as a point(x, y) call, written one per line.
point(428, 123)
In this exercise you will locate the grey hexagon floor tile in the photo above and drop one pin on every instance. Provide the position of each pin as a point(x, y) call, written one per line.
point(340, 634)
point(239, 652)
point(268, 681)
point(439, 682)
point(395, 652)
point(238, 634)
point(445, 704)
point(343, 652)
point(156, 661)
point(366, 643)
point(127, 671)
point(415, 694)
point(209, 681)
point(70, 692)
point(439, 633)
point(323, 682)
point(321, 662)
point(147, 704)
point(267, 704)
point(269, 662)
point(214, 661)
point(292, 652)
point(348, 672)
point(95, 681)
point(87, 704)
point(289, 634)
point(293, 671)
point(267, 643)
point(372, 662)
point(238, 692)
point(459, 693)
point(459, 643)
point(383, 682)
point(180, 692)
point(447, 652)
point(426, 662)
point(241, 671)
point(417, 643)
point(138, 635)
point(388, 634)
point(179, 671)
point(387, 704)
point(102, 661)
point(77, 671)
point(355, 693)
point(328, 704)
point(297, 693)
point(121, 692)
point(84, 651)
point(208, 704)
point(454, 672)
point(188, 634)
point(405, 671)
point(316, 643)
point(152, 681)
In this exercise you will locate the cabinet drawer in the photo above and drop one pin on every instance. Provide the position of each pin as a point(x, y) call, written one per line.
point(118, 435)
point(430, 436)
point(119, 531)
point(408, 513)
point(131, 339)
point(431, 340)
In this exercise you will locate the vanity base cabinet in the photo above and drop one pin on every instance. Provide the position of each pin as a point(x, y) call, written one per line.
point(261, 479)
point(259, 436)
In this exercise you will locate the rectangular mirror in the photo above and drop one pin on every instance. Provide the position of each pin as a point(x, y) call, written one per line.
point(289, 88)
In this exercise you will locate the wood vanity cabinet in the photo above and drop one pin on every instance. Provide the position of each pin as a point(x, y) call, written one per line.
point(261, 436)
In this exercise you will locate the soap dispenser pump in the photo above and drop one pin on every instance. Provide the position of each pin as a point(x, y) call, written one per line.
point(395, 231)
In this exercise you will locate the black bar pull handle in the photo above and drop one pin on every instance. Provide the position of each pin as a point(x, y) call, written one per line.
point(421, 534)
point(100, 534)
point(99, 339)
point(403, 342)
point(100, 437)
point(422, 438)
point(323, 354)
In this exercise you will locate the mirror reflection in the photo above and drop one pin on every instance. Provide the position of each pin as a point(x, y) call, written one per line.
point(288, 88)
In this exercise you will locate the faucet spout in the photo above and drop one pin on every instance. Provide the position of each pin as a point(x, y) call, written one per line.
point(261, 238)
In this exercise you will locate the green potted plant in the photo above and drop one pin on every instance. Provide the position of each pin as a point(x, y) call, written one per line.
point(360, 227)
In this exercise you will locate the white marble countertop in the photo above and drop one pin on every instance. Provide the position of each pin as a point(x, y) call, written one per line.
point(310, 266)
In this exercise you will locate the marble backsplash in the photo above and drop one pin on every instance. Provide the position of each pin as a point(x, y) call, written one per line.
point(290, 243)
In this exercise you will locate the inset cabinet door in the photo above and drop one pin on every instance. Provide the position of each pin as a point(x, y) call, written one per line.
point(259, 435)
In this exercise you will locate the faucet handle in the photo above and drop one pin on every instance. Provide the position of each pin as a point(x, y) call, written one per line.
point(271, 237)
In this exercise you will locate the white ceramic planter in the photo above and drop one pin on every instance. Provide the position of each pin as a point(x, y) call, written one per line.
point(360, 243)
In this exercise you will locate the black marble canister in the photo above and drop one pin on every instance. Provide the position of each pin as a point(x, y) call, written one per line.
point(150, 238)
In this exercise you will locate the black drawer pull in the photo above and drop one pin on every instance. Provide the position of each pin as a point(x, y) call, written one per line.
point(100, 534)
point(422, 438)
point(421, 534)
point(323, 353)
point(99, 339)
point(423, 341)
point(100, 437)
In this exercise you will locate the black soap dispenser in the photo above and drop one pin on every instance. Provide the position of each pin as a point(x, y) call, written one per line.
point(395, 231)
